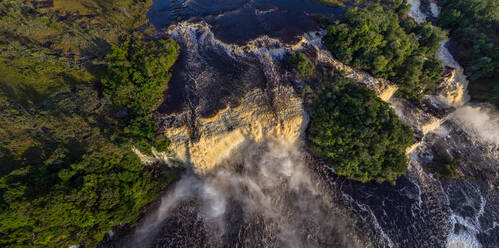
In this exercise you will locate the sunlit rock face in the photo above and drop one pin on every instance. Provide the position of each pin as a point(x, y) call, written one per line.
point(218, 120)
point(225, 99)
point(229, 96)
point(232, 116)
point(453, 89)
point(224, 135)
point(383, 88)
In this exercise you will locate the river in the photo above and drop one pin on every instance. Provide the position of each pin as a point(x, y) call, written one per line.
point(234, 119)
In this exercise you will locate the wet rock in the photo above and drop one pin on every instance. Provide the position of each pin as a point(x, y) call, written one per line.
point(212, 115)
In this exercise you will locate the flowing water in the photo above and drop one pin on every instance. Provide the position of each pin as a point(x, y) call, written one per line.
point(468, 200)
point(249, 185)
point(238, 21)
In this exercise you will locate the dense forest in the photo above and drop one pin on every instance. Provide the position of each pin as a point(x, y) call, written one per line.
point(474, 25)
point(351, 129)
point(386, 43)
point(356, 133)
point(78, 84)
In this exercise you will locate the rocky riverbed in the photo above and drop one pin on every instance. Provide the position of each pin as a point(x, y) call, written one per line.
point(236, 122)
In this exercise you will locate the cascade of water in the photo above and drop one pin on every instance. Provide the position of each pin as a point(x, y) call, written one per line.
point(480, 122)
point(262, 187)
point(272, 185)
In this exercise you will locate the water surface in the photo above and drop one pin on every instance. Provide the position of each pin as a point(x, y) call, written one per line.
point(237, 21)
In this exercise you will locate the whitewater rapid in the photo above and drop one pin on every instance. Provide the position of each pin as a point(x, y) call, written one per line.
point(235, 121)
point(479, 121)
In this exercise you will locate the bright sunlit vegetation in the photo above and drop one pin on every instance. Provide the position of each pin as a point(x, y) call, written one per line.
point(356, 133)
point(70, 115)
point(390, 46)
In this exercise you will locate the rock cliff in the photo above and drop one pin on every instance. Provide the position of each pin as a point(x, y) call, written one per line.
point(224, 100)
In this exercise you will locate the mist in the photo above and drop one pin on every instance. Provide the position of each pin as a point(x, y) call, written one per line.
point(271, 184)
point(481, 121)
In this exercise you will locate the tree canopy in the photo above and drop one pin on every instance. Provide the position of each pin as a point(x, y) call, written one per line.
point(302, 64)
point(135, 79)
point(378, 40)
point(357, 134)
point(67, 173)
point(474, 25)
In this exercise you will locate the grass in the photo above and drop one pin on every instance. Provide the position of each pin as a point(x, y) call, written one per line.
point(64, 180)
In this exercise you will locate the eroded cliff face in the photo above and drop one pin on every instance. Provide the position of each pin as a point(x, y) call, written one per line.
point(383, 88)
point(211, 128)
point(470, 133)
point(239, 125)
point(225, 111)
point(225, 135)
point(227, 99)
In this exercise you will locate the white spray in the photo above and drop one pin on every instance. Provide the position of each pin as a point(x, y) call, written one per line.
point(273, 182)
point(481, 122)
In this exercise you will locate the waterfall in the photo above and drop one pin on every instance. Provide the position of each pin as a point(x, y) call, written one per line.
point(272, 184)
point(250, 180)
point(481, 122)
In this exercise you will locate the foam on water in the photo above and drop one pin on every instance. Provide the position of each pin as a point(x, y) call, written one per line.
point(480, 122)
point(273, 183)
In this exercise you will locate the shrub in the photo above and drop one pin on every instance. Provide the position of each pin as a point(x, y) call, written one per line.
point(446, 167)
point(67, 172)
point(135, 79)
point(302, 64)
point(474, 24)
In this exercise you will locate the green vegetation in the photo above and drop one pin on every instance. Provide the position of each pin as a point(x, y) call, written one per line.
point(357, 133)
point(136, 77)
point(390, 46)
point(70, 115)
point(338, 3)
point(446, 168)
point(473, 24)
point(302, 64)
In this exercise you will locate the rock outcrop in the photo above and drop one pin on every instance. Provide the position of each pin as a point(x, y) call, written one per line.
point(383, 88)
point(226, 109)
point(225, 98)
point(210, 128)
point(223, 135)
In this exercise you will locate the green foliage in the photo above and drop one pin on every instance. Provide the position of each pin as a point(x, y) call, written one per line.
point(135, 79)
point(94, 195)
point(447, 167)
point(94, 24)
point(338, 3)
point(473, 25)
point(389, 46)
point(67, 173)
point(302, 64)
point(357, 133)
point(65, 183)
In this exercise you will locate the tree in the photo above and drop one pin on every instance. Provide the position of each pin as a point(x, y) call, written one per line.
point(136, 76)
point(473, 24)
point(378, 40)
point(67, 173)
point(302, 64)
point(358, 134)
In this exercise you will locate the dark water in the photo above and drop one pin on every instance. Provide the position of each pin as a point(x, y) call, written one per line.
point(220, 80)
point(232, 21)
point(414, 213)
point(237, 21)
